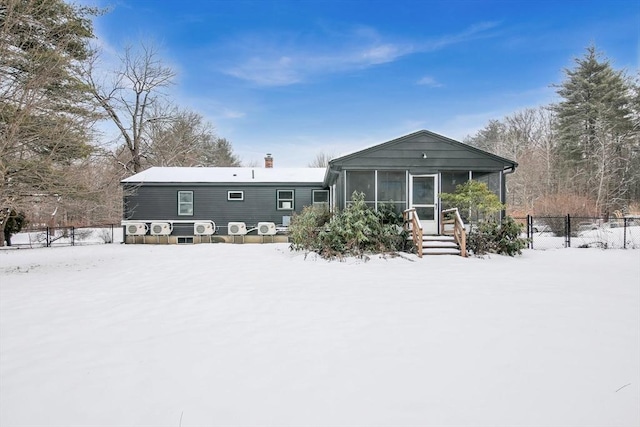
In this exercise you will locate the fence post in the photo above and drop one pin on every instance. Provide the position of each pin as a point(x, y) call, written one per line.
point(624, 241)
point(73, 236)
point(530, 231)
point(112, 234)
point(568, 231)
point(47, 243)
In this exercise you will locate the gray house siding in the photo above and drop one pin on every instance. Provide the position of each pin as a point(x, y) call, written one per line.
point(406, 153)
point(427, 164)
point(159, 202)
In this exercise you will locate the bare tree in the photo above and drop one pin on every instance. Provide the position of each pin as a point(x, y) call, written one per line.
point(186, 140)
point(130, 97)
point(527, 137)
point(321, 160)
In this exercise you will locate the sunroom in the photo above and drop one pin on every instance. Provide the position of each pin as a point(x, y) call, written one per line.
point(410, 173)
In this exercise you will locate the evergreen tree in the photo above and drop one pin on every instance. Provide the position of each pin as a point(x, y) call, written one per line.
point(183, 138)
point(220, 153)
point(45, 111)
point(595, 135)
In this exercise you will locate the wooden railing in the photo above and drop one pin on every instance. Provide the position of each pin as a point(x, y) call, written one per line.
point(412, 224)
point(451, 224)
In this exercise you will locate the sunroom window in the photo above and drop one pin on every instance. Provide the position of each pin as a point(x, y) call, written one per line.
point(362, 182)
point(450, 180)
point(392, 189)
point(492, 179)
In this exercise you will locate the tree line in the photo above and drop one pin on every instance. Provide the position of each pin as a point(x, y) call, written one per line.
point(580, 155)
point(54, 91)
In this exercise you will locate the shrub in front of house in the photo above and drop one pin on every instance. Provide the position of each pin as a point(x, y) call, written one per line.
point(305, 227)
point(355, 231)
point(499, 238)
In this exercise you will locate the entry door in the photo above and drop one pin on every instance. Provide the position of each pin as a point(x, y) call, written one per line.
point(424, 198)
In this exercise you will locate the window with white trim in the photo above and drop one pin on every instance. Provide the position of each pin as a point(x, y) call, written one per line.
point(185, 203)
point(285, 199)
point(320, 198)
point(236, 196)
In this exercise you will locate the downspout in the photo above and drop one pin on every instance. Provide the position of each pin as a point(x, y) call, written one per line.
point(503, 190)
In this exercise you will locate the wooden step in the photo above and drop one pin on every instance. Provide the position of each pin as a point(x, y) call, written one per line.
point(435, 244)
point(440, 245)
point(437, 237)
point(440, 251)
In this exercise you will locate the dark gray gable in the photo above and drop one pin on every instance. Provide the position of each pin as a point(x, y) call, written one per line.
point(423, 149)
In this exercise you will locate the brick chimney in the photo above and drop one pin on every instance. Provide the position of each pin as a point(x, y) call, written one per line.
point(268, 161)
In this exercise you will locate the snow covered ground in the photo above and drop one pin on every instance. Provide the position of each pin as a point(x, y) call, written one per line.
point(222, 334)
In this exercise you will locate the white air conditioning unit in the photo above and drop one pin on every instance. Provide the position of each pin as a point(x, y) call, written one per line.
point(237, 228)
point(266, 228)
point(204, 228)
point(136, 228)
point(160, 228)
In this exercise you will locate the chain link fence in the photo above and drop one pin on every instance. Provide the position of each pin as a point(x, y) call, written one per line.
point(67, 236)
point(551, 232)
point(543, 232)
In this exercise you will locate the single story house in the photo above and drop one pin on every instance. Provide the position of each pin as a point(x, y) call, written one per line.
point(180, 204)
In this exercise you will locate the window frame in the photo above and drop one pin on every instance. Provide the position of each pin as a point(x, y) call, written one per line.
point(181, 204)
point(280, 200)
point(232, 199)
point(313, 198)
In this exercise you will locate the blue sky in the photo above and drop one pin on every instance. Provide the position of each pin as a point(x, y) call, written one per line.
point(294, 78)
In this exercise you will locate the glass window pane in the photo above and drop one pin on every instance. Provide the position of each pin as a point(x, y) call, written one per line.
point(185, 202)
point(320, 196)
point(363, 182)
point(285, 194)
point(423, 190)
point(235, 195)
point(426, 213)
point(285, 199)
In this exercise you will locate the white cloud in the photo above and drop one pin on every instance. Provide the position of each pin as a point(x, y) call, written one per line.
point(381, 54)
point(280, 60)
point(279, 71)
point(232, 114)
point(429, 81)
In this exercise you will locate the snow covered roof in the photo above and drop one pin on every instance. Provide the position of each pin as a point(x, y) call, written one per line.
point(228, 175)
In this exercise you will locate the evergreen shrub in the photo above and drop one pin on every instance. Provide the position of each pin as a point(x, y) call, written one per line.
point(499, 238)
point(355, 231)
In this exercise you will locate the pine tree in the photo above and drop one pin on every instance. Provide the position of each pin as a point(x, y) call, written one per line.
point(45, 111)
point(594, 130)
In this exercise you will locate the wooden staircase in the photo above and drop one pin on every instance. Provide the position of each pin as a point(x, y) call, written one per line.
point(451, 241)
point(440, 245)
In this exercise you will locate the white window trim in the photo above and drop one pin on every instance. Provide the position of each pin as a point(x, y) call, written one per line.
point(313, 197)
point(181, 203)
point(229, 198)
point(292, 200)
